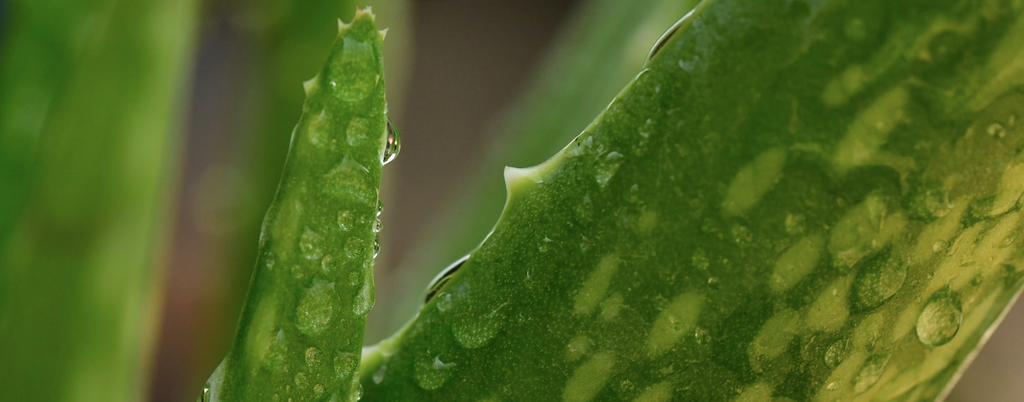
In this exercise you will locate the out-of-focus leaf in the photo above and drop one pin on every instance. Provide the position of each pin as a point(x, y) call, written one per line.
point(89, 108)
point(795, 200)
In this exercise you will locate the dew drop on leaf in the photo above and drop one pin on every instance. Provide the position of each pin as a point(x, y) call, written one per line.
point(376, 244)
point(316, 308)
point(393, 144)
point(878, 279)
point(607, 167)
point(870, 372)
point(940, 319)
point(363, 301)
point(358, 394)
point(354, 248)
point(313, 357)
point(836, 352)
point(476, 331)
point(327, 263)
point(378, 376)
point(205, 395)
point(344, 364)
point(444, 302)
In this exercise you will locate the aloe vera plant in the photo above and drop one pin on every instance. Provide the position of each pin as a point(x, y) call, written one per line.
point(792, 201)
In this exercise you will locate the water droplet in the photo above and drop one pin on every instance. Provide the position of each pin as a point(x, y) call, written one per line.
point(393, 144)
point(432, 372)
point(309, 243)
point(300, 380)
point(444, 302)
point(345, 221)
point(996, 130)
point(319, 389)
point(345, 364)
point(354, 248)
point(376, 245)
point(832, 386)
point(204, 396)
point(713, 283)
point(378, 376)
point(474, 331)
point(878, 279)
point(364, 300)
point(357, 56)
point(442, 278)
point(940, 319)
point(607, 167)
point(269, 260)
point(313, 357)
point(837, 352)
point(316, 308)
point(870, 372)
point(350, 180)
point(380, 207)
point(378, 225)
point(328, 264)
point(358, 394)
point(648, 128)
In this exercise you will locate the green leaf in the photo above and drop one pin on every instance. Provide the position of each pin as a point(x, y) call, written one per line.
point(793, 201)
point(287, 47)
point(89, 113)
point(301, 327)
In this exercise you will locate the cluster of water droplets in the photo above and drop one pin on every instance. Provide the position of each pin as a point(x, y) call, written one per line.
point(392, 146)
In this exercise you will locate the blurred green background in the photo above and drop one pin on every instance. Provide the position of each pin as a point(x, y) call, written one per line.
point(169, 120)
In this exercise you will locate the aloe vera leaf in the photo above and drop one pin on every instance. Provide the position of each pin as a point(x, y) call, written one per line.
point(301, 328)
point(601, 49)
point(90, 109)
point(793, 201)
point(288, 48)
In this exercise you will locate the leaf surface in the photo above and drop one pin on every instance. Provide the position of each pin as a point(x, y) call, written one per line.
point(792, 201)
point(301, 328)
